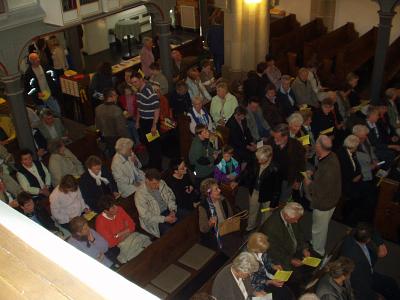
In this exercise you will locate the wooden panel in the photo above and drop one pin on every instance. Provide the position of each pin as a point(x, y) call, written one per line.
point(283, 25)
point(392, 66)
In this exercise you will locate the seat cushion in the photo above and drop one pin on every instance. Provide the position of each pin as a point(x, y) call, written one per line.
point(196, 257)
point(171, 278)
point(156, 291)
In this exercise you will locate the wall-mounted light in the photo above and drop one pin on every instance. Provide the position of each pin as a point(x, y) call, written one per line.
point(252, 1)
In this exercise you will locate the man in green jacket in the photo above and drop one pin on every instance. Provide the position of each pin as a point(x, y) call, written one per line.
point(202, 154)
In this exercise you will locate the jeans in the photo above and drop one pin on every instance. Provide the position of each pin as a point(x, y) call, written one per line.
point(320, 225)
point(51, 104)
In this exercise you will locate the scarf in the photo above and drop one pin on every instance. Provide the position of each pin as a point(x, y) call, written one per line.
point(228, 167)
point(98, 178)
point(213, 213)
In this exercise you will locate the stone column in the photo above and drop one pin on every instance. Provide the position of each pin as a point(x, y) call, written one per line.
point(163, 28)
point(16, 103)
point(246, 36)
point(386, 14)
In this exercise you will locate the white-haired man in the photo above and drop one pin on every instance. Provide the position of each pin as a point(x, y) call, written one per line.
point(288, 246)
point(232, 282)
point(325, 189)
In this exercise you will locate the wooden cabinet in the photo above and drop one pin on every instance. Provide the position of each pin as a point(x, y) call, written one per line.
point(387, 215)
point(188, 13)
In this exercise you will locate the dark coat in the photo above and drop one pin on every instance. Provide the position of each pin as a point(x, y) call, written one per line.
point(281, 247)
point(226, 288)
point(215, 34)
point(291, 162)
point(326, 187)
point(272, 112)
point(321, 121)
point(32, 88)
point(361, 278)
point(329, 289)
point(239, 138)
point(348, 172)
point(254, 86)
point(180, 103)
point(91, 192)
point(270, 183)
point(284, 103)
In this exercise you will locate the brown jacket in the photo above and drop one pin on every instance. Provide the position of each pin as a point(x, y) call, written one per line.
point(326, 187)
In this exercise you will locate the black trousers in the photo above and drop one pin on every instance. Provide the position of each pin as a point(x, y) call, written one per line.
point(154, 147)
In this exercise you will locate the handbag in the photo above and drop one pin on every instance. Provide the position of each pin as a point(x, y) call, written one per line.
point(232, 224)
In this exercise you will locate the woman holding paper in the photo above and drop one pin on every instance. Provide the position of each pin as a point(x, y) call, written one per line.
point(263, 281)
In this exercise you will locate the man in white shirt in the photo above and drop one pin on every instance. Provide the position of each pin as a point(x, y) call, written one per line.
point(32, 175)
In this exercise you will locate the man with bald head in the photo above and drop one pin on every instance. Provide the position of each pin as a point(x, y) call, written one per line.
point(324, 188)
point(40, 85)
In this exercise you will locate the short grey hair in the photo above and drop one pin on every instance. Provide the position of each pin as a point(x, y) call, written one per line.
point(264, 152)
point(390, 93)
point(351, 142)
point(245, 262)
point(295, 119)
point(309, 296)
point(293, 210)
point(123, 144)
point(325, 142)
point(360, 129)
point(197, 99)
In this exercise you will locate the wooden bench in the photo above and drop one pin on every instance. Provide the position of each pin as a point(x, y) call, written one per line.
point(392, 65)
point(327, 46)
point(185, 136)
point(281, 26)
point(356, 54)
point(294, 40)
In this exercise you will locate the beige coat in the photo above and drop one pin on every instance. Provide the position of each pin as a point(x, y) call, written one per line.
point(61, 165)
point(149, 211)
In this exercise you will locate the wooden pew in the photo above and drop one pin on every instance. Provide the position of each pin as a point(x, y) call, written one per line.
point(282, 26)
point(387, 214)
point(162, 252)
point(355, 54)
point(392, 65)
point(327, 46)
point(293, 41)
point(185, 136)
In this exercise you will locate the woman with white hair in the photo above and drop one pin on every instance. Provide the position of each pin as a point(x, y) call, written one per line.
point(199, 115)
point(233, 281)
point(265, 187)
point(295, 121)
point(351, 178)
point(125, 168)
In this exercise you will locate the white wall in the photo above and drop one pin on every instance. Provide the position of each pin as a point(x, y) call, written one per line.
point(302, 9)
point(364, 15)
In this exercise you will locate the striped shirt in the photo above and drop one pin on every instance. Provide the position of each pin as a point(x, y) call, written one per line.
point(147, 102)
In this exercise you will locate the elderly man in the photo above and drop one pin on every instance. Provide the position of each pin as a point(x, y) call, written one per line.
point(50, 127)
point(303, 90)
point(156, 205)
point(325, 190)
point(258, 126)
point(125, 168)
point(233, 281)
point(288, 246)
point(289, 156)
point(41, 86)
point(365, 153)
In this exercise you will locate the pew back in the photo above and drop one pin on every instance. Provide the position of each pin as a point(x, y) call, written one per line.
point(281, 26)
point(392, 65)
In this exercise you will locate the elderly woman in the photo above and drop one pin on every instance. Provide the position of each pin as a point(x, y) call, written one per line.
point(263, 280)
point(223, 104)
point(335, 284)
point(63, 162)
point(295, 121)
point(96, 181)
point(195, 87)
point(365, 152)
point(66, 201)
point(265, 187)
point(88, 240)
point(213, 210)
point(50, 127)
point(199, 115)
point(233, 281)
point(125, 168)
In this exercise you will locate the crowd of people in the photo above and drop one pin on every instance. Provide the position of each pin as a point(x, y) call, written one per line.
point(292, 143)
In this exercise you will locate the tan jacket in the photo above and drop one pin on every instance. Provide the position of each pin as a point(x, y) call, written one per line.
point(61, 165)
point(110, 121)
